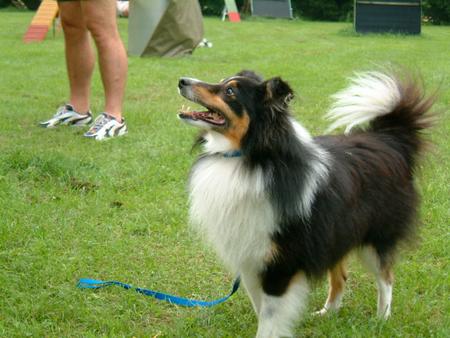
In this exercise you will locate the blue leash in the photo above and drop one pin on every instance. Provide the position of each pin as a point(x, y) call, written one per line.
point(86, 283)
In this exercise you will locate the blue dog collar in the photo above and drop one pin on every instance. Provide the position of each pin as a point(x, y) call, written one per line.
point(234, 153)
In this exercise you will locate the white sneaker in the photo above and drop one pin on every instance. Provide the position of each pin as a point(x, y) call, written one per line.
point(66, 115)
point(106, 126)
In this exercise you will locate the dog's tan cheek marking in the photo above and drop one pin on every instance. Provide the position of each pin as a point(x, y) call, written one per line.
point(210, 99)
point(238, 125)
point(238, 128)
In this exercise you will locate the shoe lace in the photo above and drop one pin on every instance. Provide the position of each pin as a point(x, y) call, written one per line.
point(61, 110)
point(100, 122)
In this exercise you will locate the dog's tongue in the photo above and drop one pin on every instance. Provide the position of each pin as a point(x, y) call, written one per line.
point(207, 115)
point(200, 114)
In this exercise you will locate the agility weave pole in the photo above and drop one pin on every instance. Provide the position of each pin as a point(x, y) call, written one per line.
point(42, 21)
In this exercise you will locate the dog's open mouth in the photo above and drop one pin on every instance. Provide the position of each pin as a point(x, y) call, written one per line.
point(209, 116)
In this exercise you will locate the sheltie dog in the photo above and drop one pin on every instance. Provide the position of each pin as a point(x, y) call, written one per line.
point(281, 207)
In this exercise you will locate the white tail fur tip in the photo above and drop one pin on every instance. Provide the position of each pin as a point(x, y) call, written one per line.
point(369, 95)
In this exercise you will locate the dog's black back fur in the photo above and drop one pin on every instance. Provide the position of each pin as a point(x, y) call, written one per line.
point(369, 198)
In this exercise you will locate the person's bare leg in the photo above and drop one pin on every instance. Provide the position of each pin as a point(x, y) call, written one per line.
point(80, 58)
point(101, 21)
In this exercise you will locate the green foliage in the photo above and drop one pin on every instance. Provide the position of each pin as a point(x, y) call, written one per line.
point(215, 7)
point(211, 7)
point(31, 4)
point(331, 10)
point(72, 207)
point(328, 10)
point(438, 11)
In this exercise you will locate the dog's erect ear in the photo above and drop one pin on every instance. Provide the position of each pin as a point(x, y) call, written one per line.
point(251, 75)
point(277, 91)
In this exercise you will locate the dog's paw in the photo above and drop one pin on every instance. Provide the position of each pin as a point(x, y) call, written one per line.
point(322, 312)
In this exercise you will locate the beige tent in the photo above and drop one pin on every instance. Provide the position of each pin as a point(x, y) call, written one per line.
point(164, 27)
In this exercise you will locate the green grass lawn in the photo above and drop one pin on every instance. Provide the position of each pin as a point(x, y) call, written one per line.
point(72, 207)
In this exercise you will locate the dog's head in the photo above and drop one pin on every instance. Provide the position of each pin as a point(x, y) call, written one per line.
point(235, 105)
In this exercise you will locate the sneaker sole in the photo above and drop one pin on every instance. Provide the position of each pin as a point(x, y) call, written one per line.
point(117, 132)
point(75, 122)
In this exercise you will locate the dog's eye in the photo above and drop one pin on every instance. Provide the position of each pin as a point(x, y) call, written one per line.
point(230, 91)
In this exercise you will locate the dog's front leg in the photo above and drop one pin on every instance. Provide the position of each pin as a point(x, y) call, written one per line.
point(278, 313)
point(252, 284)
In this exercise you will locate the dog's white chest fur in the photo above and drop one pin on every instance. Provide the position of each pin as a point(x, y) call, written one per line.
point(229, 205)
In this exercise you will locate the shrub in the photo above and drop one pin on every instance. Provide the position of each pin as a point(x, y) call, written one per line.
point(334, 10)
point(438, 11)
point(4, 3)
point(311, 9)
point(215, 7)
point(31, 4)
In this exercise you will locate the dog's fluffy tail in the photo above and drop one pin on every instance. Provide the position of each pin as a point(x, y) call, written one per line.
point(393, 104)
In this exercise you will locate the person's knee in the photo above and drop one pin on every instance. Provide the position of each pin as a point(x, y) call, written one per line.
point(101, 33)
point(73, 26)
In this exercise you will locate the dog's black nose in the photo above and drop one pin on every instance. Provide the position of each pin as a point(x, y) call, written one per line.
point(183, 82)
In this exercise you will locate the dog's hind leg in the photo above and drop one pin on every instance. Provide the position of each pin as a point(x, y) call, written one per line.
point(337, 277)
point(382, 269)
point(279, 312)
